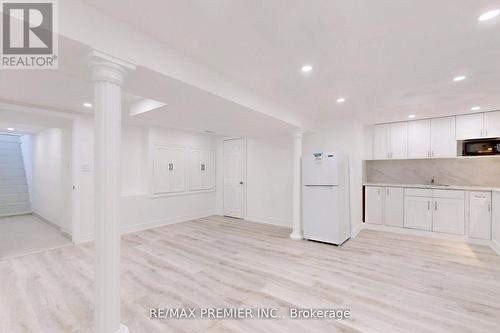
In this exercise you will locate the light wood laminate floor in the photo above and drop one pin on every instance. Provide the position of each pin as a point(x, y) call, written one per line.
point(391, 282)
point(24, 234)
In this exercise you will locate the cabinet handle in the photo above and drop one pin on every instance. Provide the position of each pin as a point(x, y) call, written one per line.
point(489, 207)
point(432, 153)
point(387, 192)
point(378, 191)
point(435, 205)
point(428, 205)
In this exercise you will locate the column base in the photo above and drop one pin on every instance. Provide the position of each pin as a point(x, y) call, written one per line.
point(123, 329)
point(296, 236)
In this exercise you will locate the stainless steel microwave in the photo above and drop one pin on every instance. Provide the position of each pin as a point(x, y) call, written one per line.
point(481, 147)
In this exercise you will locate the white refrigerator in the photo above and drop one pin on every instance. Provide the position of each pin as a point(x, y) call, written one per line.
point(325, 197)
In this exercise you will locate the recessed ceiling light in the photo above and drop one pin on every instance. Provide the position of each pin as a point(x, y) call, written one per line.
point(475, 108)
point(489, 15)
point(341, 100)
point(87, 104)
point(306, 68)
point(459, 78)
point(412, 116)
point(11, 129)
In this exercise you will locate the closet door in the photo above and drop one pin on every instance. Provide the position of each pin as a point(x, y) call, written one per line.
point(195, 178)
point(160, 181)
point(176, 170)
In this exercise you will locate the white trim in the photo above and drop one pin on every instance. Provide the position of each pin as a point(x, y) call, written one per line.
point(428, 234)
point(495, 246)
point(16, 214)
point(152, 224)
point(270, 220)
point(355, 231)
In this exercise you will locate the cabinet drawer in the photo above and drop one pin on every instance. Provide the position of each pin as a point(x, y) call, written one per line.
point(449, 194)
point(418, 192)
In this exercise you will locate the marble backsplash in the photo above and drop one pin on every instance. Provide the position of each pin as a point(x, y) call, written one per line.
point(484, 171)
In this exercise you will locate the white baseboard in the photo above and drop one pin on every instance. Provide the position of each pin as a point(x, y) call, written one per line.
point(495, 246)
point(356, 230)
point(270, 220)
point(161, 222)
point(428, 234)
point(16, 214)
point(152, 224)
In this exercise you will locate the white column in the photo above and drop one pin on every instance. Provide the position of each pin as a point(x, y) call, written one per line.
point(297, 186)
point(108, 77)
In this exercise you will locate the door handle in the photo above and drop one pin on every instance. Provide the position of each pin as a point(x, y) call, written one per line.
point(241, 183)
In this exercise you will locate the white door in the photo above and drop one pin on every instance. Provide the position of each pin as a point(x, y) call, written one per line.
point(381, 142)
point(394, 206)
point(449, 216)
point(418, 213)
point(373, 205)
point(234, 177)
point(470, 126)
point(480, 215)
point(419, 139)
point(443, 138)
point(399, 140)
point(492, 124)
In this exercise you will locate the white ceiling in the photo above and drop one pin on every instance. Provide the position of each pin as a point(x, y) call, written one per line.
point(66, 90)
point(387, 58)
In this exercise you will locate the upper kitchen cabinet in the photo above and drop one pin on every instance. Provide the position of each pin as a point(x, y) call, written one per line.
point(381, 135)
point(478, 125)
point(419, 139)
point(470, 126)
point(443, 141)
point(390, 141)
point(399, 140)
point(492, 124)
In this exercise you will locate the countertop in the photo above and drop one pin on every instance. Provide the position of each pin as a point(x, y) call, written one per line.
point(437, 187)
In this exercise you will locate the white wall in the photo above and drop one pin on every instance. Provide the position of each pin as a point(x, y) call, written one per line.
point(345, 136)
point(269, 181)
point(269, 175)
point(48, 175)
point(140, 210)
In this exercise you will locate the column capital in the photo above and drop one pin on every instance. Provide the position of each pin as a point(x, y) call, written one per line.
point(298, 133)
point(105, 67)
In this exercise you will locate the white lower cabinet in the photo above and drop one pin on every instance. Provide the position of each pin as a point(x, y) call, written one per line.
point(453, 212)
point(449, 213)
point(384, 205)
point(393, 206)
point(373, 205)
point(435, 210)
point(418, 212)
point(480, 215)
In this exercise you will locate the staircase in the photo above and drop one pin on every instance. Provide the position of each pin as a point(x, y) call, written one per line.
point(14, 196)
